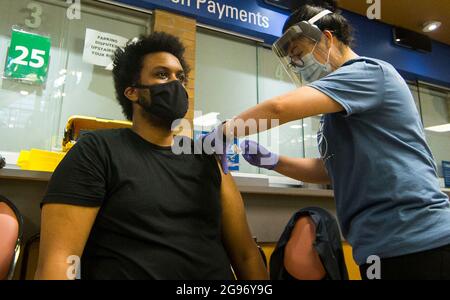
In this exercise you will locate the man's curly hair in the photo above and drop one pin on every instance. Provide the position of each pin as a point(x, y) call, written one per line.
point(128, 63)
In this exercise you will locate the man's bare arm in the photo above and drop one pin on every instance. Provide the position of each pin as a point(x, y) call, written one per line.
point(241, 248)
point(64, 232)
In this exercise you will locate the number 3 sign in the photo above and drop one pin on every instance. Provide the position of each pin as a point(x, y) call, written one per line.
point(28, 57)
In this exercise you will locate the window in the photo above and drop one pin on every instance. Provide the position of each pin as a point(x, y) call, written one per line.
point(33, 116)
point(228, 84)
point(234, 74)
point(435, 108)
point(433, 104)
point(226, 81)
point(273, 81)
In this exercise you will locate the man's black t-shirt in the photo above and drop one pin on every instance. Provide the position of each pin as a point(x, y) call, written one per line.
point(160, 213)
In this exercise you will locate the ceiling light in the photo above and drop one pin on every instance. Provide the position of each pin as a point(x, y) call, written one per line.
point(440, 128)
point(59, 81)
point(431, 26)
point(296, 127)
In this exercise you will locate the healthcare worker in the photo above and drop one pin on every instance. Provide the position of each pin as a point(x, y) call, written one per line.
point(372, 143)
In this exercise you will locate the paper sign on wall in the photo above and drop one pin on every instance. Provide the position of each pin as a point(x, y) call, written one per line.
point(28, 57)
point(99, 47)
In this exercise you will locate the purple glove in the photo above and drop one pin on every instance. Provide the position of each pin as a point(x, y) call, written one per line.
point(215, 142)
point(258, 156)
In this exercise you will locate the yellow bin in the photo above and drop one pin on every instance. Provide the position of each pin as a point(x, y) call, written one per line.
point(77, 125)
point(47, 161)
point(39, 160)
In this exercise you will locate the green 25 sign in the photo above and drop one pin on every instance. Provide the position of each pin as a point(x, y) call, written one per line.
point(28, 57)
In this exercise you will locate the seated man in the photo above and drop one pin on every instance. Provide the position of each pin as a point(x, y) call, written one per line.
point(131, 208)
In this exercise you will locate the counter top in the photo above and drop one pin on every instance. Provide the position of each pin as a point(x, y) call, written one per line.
point(15, 173)
point(286, 191)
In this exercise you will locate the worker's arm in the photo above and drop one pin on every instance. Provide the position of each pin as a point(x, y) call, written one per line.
point(304, 169)
point(301, 103)
point(310, 170)
point(241, 248)
point(64, 232)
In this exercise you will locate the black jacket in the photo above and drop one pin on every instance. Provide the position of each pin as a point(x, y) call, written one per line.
point(328, 244)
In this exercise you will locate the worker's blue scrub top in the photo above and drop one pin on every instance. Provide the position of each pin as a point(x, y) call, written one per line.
point(387, 192)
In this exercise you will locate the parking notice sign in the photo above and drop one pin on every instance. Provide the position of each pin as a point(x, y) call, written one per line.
point(28, 57)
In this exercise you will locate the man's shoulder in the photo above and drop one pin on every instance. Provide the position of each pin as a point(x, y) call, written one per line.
point(103, 134)
point(99, 140)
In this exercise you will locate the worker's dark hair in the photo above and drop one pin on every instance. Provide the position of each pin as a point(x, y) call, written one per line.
point(128, 63)
point(334, 22)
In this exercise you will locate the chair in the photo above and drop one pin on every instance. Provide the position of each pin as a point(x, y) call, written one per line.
point(30, 258)
point(11, 232)
point(261, 251)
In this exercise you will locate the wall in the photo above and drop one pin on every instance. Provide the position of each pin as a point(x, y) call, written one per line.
point(373, 38)
point(185, 29)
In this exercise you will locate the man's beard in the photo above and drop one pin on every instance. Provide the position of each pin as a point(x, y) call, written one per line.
point(145, 103)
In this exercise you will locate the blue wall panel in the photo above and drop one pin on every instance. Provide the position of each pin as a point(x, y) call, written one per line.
point(372, 38)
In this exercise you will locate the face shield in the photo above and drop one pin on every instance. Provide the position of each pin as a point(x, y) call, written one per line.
point(295, 51)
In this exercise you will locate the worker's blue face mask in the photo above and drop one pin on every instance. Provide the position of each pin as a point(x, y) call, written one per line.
point(168, 101)
point(312, 69)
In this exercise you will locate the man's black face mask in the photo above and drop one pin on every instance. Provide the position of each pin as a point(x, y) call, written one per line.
point(168, 101)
